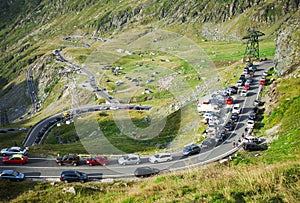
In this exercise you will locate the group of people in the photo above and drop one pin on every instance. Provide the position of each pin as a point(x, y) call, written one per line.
point(236, 144)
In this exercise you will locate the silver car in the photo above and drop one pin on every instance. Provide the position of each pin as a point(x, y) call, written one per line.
point(13, 150)
point(129, 159)
point(161, 157)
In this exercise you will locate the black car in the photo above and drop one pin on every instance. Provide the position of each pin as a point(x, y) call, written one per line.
point(73, 176)
point(191, 149)
point(221, 137)
point(229, 126)
point(254, 147)
point(233, 89)
point(145, 171)
point(234, 117)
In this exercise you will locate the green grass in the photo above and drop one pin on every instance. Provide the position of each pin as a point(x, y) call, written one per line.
point(216, 183)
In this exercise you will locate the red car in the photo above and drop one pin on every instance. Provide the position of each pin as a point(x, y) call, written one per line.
point(262, 82)
point(229, 100)
point(15, 159)
point(97, 160)
point(246, 87)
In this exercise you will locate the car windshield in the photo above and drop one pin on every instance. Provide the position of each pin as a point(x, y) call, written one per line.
point(15, 173)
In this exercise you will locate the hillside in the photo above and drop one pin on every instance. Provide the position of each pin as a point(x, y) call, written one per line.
point(32, 30)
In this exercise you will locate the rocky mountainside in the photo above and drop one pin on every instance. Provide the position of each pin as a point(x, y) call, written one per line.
point(31, 30)
point(288, 46)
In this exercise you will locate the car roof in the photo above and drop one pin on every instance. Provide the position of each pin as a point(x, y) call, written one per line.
point(17, 155)
point(164, 153)
point(70, 171)
point(18, 148)
point(236, 105)
point(132, 155)
point(7, 172)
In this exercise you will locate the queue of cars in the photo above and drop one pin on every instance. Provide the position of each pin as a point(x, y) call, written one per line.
point(16, 155)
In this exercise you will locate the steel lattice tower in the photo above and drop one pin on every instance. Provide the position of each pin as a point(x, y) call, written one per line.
point(252, 48)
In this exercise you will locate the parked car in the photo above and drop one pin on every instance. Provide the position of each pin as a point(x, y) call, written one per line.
point(209, 143)
point(252, 116)
point(246, 70)
point(232, 89)
point(254, 147)
point(234, 117)
point(253, 139)
point(236, 109)
point(229, 100)
point(97, 160)
point(246, 87)
point(191, 150)
point(73, 176)
point(15, 159)
point(12, 175)
point(265, 73)
point(253, 68)
point(262, 82)
point(129, 159)
point(208, 115)
point(244, 93)
point(221, 137)
point(13, 150)
point(240, 83)
point(145, 171)
point(229, 126)
point(161, 157)
point(250, 124)
point(70, 159)
point(257, 103)
point(248, 81)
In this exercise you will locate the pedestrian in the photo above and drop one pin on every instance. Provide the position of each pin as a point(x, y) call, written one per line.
point(246, 130)
point(243, 136)
point(233, 144)
point(236, 144)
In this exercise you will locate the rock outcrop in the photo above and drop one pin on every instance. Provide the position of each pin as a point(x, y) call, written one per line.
point(287, 52)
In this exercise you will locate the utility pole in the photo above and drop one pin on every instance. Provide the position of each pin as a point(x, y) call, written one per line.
point(252, 47)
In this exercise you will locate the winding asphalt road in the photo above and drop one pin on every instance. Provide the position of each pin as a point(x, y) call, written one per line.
point(47, 168)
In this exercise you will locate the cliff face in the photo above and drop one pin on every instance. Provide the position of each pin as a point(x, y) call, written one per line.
point(287, 53)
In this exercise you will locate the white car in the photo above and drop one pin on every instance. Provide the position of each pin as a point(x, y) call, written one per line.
point(244, 93)
point(236, 108)
point(250, 124)
point(208, 116)
point(239, 83)
point(161, 157)
point(265, 73)
point(13, 150)
point(129, 159)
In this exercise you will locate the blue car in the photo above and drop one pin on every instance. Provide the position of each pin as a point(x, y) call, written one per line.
point(12, 175)
point(191, 150)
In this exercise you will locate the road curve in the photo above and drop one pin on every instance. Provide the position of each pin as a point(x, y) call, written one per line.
point(47, 168)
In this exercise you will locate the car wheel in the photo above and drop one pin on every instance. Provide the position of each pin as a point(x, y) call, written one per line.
point(82, 181)
point(59, 164)
point(103, 164)
point(91, 164)
point(66, 181)
point(75, 164)
point(138, 162)
point(155, 162)
point(124, 164)
point(3, 154)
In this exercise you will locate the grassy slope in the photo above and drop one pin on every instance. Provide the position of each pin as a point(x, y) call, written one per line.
point(271, 177)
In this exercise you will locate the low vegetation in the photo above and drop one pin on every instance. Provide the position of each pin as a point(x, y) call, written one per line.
point(278, 182)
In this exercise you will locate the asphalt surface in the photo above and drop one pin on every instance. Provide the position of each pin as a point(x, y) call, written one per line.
point(47, 168)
